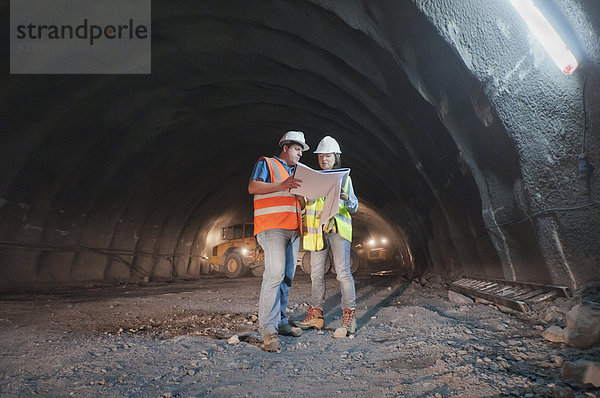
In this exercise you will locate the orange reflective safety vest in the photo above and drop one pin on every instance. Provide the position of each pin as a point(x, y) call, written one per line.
point(278, 209)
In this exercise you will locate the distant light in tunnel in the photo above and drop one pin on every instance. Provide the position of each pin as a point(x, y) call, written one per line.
point(372, 242)
point(244, 251)
point(384, 241)
point(546, 34)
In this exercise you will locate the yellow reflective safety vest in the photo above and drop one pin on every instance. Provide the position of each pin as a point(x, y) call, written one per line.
point(313, 237)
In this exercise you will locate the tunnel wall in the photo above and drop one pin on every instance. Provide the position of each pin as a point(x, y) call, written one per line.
point(447, 184)
point(544, 227)
point(457, 129)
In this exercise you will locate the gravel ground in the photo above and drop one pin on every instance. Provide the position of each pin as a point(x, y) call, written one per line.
point(164, 339)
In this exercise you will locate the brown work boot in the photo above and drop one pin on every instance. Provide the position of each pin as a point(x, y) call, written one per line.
point(349, 320)
point(314, 319)
point(271, 343)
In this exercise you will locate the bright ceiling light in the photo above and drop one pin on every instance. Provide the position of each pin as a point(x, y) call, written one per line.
point(372, 242)
point(544, 32)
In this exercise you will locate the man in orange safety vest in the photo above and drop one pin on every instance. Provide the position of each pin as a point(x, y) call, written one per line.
point(278, 229)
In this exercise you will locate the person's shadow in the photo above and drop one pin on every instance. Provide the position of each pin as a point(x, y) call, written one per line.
point(374, 286)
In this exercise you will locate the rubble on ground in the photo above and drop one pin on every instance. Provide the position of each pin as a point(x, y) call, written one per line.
point(201, 339)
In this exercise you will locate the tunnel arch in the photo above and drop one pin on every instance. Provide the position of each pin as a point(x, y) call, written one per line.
point(122, 177)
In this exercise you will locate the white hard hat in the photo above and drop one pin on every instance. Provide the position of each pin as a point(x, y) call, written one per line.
point(328, 145)
point(294, 137)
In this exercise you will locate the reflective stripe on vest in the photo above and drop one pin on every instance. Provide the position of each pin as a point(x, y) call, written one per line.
point(313, 238)
point(277, 209)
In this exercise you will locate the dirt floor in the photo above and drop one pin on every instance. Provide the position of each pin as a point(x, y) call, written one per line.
point(162, 339)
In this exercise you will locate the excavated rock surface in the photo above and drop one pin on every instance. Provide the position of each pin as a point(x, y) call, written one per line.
point(175, 339)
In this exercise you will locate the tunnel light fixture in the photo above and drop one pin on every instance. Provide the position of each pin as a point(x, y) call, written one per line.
point(547, 36)
point(372, 242)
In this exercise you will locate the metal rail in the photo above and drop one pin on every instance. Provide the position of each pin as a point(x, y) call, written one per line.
point(510, 294)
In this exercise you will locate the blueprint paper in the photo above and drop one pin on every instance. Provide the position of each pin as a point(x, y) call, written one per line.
point(319, 183)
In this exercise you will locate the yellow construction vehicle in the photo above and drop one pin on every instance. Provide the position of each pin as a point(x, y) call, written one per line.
point(374, 251)
point(239, 254)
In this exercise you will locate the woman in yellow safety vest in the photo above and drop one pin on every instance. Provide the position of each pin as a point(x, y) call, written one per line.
point(336, 236)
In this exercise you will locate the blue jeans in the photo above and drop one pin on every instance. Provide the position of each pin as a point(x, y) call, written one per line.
point(340, 248)
point(281, 252)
